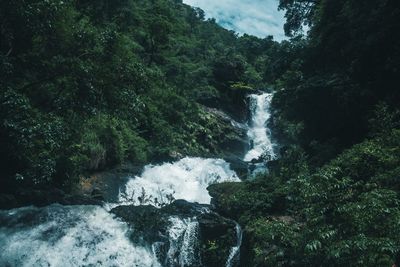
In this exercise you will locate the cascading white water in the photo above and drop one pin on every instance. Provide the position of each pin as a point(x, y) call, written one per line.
point(186, 179)
point(90, 236)
point(183, 237)
point(68, 236)
point(234, 254)
point(258, 133)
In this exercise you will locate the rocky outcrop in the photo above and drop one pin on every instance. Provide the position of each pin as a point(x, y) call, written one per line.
point(232, 101)
point(239, 166)
point(227, 137)
point(150, 224)
point(105, 185)
point(215, 234)
point(43, 197)
point(218, 236)
point(90, 190)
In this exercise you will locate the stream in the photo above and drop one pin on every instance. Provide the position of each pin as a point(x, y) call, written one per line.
point(59, 235)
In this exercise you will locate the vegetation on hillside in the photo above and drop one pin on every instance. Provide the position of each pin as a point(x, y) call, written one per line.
point(333, 197)
point(86, 85)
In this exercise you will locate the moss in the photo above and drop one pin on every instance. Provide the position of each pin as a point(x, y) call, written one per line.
point(242, 201)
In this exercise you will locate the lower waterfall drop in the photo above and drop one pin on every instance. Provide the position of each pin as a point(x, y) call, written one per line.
point(183, 238)
point(234, 255)
point(68, 236)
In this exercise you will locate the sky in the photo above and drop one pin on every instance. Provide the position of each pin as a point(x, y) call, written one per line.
point(256, 17)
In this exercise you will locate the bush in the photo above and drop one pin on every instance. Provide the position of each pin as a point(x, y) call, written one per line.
point(107, 141)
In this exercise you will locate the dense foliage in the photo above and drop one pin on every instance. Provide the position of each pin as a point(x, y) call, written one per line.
point(332, 199)
point(87, 85)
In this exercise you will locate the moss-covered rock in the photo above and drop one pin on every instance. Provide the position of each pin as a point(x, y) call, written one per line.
point(151, 226)
point(221, 134)
point(240, 201)
point(149, 223)
point(218, 236)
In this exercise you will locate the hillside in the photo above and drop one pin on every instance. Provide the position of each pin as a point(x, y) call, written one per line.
point(87, 86)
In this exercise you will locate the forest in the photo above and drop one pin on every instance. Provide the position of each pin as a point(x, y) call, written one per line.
point(88, 85)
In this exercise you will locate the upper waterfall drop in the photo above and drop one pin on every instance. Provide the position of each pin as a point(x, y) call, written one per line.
point(258, 133)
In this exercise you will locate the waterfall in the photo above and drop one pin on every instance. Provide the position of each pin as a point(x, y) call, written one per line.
point(90, 236)
point(186, 179)
point(183, 238)
point(258, 133)
point(234, 255)
point(68, 236)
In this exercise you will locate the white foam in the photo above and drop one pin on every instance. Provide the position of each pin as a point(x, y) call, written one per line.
point(186, 179)
point(258, 133)
point(183, 238)
point(234, 255)
point(69, 236)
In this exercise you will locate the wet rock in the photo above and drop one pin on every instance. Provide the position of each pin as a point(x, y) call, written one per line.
point(213, 225)
point(175, 155)
point(229, 136)
point(149, 223)
point(105, 185)
point(7, 201)
point(217, 235)
point(152, 223)
point(97, 194)
point(183, 208)
point(239, 166)
point(44, 197)
point(78, 200)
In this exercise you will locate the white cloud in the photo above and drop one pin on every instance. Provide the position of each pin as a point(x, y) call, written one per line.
point(257, 17)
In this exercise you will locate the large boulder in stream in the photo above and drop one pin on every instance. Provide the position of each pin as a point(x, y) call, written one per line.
point(181, 233)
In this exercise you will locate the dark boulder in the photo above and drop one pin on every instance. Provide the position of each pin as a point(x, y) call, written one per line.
point(97, 194)
point(106, 185)
point(228, 136)
point(239, 166)
point(217, 235)
point(44, 197)
point(7, 201)
point(149, 223)
point(183, 208)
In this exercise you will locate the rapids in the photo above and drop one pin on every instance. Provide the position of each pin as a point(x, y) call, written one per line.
point(186, 179)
